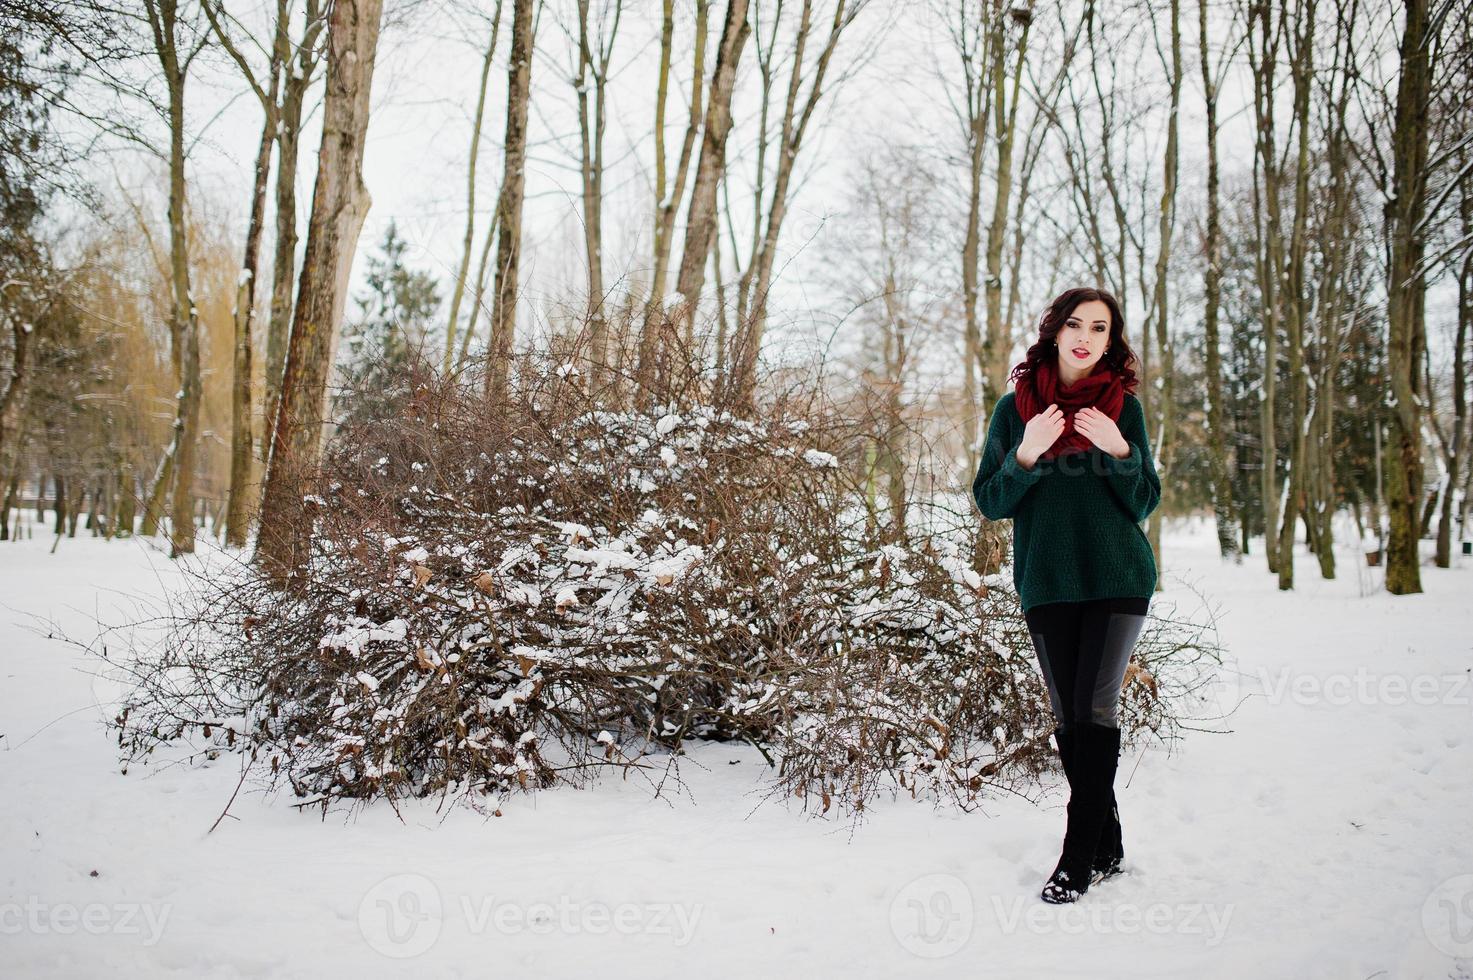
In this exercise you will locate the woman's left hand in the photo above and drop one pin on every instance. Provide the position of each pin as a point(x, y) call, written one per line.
point(1101, 430)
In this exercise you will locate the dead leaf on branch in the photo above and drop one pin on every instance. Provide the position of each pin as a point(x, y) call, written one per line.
point(1136, 674)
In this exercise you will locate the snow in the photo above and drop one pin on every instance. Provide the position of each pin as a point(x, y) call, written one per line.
point(353, 636)
point(820, 459)
point(602, 558)
point(1321, 831)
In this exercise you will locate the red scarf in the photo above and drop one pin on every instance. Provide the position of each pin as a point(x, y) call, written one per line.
point(1039, 388)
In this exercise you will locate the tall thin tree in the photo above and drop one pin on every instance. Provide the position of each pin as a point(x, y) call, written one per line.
point(1405, 299)
point(509, 206)
point(340, 203)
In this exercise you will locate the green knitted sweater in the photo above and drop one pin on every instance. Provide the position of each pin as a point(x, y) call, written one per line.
point(1076, 518)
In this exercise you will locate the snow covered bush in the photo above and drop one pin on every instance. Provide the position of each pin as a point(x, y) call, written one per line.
point(517, 594)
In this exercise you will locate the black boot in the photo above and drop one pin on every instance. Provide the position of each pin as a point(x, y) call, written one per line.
point(1096, 755)
point(1109, 852)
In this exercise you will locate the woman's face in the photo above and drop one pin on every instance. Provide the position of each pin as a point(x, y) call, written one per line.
point(1083, 337)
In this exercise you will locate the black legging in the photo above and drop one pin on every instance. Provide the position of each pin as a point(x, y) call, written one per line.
point(1083, 648)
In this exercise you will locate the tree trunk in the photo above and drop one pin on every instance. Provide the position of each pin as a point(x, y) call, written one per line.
point(458, 291)
point(13, 399)
point(997, 343)
point(158, 494)
point(794, 124)
point(1334, 307)
point(184, 318)
point(1164, 441)
point(591, 126)
point(977, 391)
point(127, 506)
point(59, 502)
point(340, 203)
point(509, 206)
point(667, 204)
point(1270, 272)
point(1460, 379)
point(241, 496)
point(700, 224)
point(284, 258)
point(478, 300)
point(1224, 508)
point(1296, 302)
point(1406, 288)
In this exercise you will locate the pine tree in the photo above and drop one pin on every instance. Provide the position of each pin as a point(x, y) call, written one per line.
point(395, 323)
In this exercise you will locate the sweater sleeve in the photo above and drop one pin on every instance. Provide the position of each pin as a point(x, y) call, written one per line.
point(1133, 479)
point(1001, 482)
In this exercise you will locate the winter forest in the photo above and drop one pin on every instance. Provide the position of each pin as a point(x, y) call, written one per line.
point(496, 482)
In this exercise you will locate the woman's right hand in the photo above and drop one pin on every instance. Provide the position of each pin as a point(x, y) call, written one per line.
point(1039, 434)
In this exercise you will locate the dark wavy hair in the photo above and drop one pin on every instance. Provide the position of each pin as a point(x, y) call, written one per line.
point(1119, 358)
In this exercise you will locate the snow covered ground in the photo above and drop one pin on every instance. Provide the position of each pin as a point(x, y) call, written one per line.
point(1324, 833)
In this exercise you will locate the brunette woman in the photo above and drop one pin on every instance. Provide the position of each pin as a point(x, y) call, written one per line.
point(1068, 460)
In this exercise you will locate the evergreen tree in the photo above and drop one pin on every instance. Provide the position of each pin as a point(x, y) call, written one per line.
point(396, 321)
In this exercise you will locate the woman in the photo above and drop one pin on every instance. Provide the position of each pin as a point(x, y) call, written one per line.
point(1067, 458)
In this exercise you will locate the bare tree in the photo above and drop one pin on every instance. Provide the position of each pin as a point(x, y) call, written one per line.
point(971, 40)
point(886, 251)
point(1296, 293)
point(478, 298)
point(340, 203)
point(177, 41)
point(1267, 195)
point(1337, 303)
point(1406, 211)
point(1005, 101)
point(306, 55)
point(667, 201)
point(1225, 509)
point(1158, 310)
point(1451, 225)
point(700, 222)
point(797, 114)
point(458, 289)
point(509, 207)
point(1456, 448)
point(242, 494)
point(593, 65)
